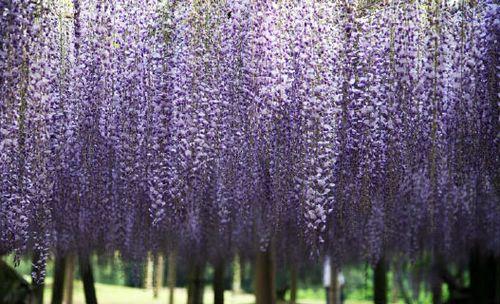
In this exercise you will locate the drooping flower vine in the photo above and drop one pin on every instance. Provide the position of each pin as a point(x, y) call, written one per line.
point(240, 125)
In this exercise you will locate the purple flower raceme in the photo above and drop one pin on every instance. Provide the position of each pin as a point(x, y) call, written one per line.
point(142, 125)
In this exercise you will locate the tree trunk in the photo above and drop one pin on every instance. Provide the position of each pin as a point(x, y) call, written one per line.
point(37, 293)
point(395, 286)
point(436, 281)
point(58, 285)
point(437, 296)
point(497, 287)
point(482, 277)
point(37, 288)
point(68, 283)
point(159, 268)
point(398, 274)
point(195, 284)
point(237, 274)
point(219, 282)
point(171, 276)
point(264, 278)
point(87, 278)
point(334, 290)
point(293, 283)
point(380, 283)
point(489, 276)
point(148, 280)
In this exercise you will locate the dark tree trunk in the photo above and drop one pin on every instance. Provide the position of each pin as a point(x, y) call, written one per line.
point(334, 290)
point(436, 280)
point(293, 283)
point(171, 276)
point(219, 282)
point(37, 293)
point(497, 276)
point(264, 278)
point(245, 274)
point(489, 277)
point(482, 270)
point(437, 295)
point(68, 286)
point(476, 287)
point(380, 283)
point(196, 284)
point(88, 279)
point(395, 285)
point(58, 285)
point(398, 274)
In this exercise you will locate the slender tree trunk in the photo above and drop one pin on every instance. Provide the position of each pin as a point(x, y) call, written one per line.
point(236, 274)
point(58, 285)
point(293, 283)
point(476, 287)
point(196, 284)
point(482, 277)
point(87, 278)
point(245, 273)
point(395, 286)
point(148, 280)
point(398, 274)
point(265, 289)
point(37, 293)
point(437, 296)
point(436, 282)
point(333, 291)
point(171, 276)
point(497, 276)
point(68, 283)
point(380, 283)
point(489, 277)
point(395, 292)
point(219, 282)
point(159, 268)
point(37, 288)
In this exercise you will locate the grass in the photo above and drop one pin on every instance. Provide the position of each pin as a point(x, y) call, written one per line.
point(114, 294)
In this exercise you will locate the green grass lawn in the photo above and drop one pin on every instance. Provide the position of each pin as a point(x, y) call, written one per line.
point(113, 294)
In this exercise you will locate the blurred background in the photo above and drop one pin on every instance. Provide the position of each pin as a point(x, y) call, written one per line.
point(153, 280)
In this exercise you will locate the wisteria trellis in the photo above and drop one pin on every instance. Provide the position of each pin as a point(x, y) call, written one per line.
point(208, 125)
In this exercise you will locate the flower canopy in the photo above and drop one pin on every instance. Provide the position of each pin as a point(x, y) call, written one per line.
point(221, 126)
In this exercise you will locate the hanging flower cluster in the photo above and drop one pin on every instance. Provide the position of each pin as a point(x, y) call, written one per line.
point(212, 126)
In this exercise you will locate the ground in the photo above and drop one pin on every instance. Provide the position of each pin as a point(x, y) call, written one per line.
point(113, 294)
